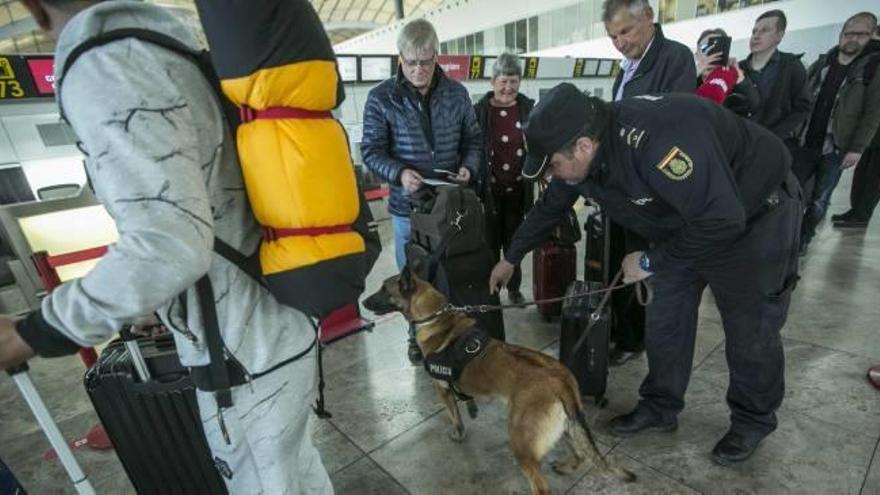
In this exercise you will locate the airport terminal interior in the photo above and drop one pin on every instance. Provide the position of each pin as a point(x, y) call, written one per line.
point(388, 433)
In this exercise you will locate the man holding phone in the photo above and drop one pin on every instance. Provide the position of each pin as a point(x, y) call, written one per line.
point(723, 84)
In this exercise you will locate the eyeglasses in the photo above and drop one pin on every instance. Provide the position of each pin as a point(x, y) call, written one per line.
point(426, 63)
point(856, 34)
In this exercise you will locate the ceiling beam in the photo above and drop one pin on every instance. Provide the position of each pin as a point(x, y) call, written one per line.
point(359, 25)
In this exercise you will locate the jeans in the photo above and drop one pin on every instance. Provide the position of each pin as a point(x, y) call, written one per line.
point(401, 227)
point(827, 173)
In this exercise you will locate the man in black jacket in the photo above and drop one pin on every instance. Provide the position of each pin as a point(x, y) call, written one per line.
point(713, 194)
point(779, 76)
point(654, 64)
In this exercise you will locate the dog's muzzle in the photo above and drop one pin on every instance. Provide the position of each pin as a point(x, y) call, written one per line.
point(380, 303)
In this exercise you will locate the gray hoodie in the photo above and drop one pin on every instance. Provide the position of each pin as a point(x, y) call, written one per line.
point(163, 163)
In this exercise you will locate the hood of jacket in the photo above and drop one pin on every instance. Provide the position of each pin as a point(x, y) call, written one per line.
point(122, 14)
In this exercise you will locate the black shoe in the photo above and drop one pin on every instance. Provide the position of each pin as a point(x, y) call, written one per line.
point(415, 354)
point(641, 419)
point(618, 356)
point(851, 224)
point(735, 447)
point(515, 297)
point(843, 217)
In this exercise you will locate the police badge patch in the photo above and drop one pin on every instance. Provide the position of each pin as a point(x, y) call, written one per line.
point(677, 165)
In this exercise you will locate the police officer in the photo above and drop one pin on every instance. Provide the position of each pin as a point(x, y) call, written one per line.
point(712, 195)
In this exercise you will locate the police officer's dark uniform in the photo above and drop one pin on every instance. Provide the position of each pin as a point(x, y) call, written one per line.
point(713, 196)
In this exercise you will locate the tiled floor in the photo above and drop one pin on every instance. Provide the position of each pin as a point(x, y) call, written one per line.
point(388, 433)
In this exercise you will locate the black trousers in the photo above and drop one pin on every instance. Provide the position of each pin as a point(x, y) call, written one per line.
point(507, 215)
point(628, 327)
point(865, 192)
point(751, 280)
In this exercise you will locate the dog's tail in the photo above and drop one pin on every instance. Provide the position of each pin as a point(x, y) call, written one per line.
point(574, 408)
point(621, 473)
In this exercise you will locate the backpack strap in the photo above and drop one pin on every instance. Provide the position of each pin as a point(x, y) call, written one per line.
point(217, 370)
point(200, 58)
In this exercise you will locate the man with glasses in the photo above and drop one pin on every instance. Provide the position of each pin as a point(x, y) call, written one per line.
point(845, 116)
point(417, 123)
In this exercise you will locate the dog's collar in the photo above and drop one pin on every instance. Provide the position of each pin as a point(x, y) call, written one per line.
point(436, 314)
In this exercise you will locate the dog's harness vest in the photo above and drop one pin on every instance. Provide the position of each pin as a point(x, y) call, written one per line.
point(448, 364)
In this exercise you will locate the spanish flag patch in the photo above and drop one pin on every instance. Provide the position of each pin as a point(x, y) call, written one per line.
point(677, 165)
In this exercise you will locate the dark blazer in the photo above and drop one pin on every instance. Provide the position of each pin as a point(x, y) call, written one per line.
point(667, 67)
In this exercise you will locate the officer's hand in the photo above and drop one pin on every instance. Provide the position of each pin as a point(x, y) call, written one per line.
point(850, 160)
point(632, 269)
point(500, 275)
point(411, 180)
point(463, 177)
point(13, 350)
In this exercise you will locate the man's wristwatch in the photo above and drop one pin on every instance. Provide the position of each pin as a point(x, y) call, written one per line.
point(645, 262)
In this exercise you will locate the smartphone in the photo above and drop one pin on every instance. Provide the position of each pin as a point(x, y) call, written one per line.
point(445, 172)
point(717, 44)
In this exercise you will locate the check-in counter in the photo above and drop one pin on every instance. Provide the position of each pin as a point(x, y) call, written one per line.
point(57, 226)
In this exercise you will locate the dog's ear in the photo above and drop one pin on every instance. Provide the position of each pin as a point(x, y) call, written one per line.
point(406, 283)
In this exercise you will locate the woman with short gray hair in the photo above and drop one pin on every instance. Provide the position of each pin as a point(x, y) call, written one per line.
point(502, 113)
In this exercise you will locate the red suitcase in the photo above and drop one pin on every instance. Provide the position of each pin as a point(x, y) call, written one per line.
point(554, 269)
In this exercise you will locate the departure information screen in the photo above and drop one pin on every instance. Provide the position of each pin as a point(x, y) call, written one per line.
point(26, 76)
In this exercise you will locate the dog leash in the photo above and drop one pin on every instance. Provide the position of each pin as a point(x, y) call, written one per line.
point(644, 296)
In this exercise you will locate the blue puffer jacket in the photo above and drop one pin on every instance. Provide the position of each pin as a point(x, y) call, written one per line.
point(401, 131)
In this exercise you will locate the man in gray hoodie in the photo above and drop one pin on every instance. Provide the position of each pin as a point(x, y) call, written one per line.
point(162, 161)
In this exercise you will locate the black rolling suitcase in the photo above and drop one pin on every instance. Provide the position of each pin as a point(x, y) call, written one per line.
point(589, 363)
point(146, 401)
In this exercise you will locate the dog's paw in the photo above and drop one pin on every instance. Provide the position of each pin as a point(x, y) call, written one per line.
point(566, 467)
point(456, 434)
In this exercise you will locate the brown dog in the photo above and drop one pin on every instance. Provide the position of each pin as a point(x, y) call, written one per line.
point(541, 394)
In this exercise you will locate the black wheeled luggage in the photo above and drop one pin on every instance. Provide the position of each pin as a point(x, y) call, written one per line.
point(589, 363)
point(146, 401)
